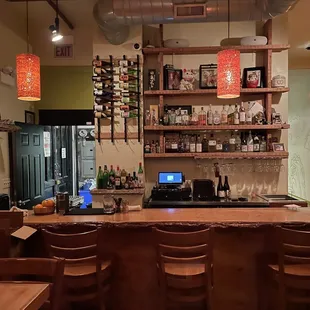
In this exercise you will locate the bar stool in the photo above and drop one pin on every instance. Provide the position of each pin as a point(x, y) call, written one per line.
point(42, 270)
point(86, 276)
point(184, 262)
point(292, 274)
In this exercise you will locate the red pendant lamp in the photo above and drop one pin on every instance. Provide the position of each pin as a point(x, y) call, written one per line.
point(228, 70)
point(28, 73)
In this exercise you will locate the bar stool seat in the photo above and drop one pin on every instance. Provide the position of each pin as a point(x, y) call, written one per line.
point(302, 270)
point(79, 270)
point(184, 269)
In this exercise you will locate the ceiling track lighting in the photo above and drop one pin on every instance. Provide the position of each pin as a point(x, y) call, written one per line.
point(56, 35)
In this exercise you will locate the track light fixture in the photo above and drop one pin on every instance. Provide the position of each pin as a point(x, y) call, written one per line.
point(56, 35)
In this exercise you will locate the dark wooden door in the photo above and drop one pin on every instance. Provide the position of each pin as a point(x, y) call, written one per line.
point(27, 164)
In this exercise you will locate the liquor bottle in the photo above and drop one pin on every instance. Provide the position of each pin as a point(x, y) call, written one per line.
point(199, 145)
point(212, 144)
point(131, 181)
point(226, 145)
point(244, 146)
point(167, 146)
point(202, 117)
point(147, 147)
point(210, 116)
point(249, 117)
point(158, 147)
point(227, 188)
point(147, 118)
point(166, 116)
point(220, 189)
point(216, 118)
point(153, 147)
point(112, 177)
point(186, 144)
point(238, 143)
point(185, 118)
point(231, 116)
point(269, 142)
point(236, 116)
point(219, 145)
point(140, 176)
point(172, 118)
point(123, 177)
point(181, 145)
point(99, 179)
point(250, 142)
point(204, 144)
point(127, 182)
point(174, 146)
point(192, 144)
point(194, 118)
point(178, 117)
point(134, 179)
point(256, 143)
point(118, 184)
point(224, 116)
point(242, 114)
point(232, 143)
point(105, 178)
point(263, 145)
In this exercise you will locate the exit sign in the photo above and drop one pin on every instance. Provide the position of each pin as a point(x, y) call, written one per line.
point(63, 51)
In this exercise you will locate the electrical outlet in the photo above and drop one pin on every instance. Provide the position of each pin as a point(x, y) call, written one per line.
point(6, 183)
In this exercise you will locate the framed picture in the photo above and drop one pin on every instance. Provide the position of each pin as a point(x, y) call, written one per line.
point(253, 77)
point(30, 117)
point(278, 147)
point(208, 76)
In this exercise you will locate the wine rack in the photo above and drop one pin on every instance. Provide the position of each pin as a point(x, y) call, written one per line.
point(113, 89)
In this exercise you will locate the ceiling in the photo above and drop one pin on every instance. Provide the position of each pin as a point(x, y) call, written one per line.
point(79, 12)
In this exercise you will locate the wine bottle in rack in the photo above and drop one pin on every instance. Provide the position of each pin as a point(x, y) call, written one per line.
point(128, 107)
point(127, 77)
point(104, 114)
point(128, 100)
point(101, 63)
point(103, 101)
point(102, 108)
point(127, 63)
point(106, 80)
point(102, 72)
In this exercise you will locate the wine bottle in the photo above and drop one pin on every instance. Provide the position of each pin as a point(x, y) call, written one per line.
point(220, 189)
point(227, 188)
point(104, 114)
point(128, 100)
point(97, 62)
point(106, 80)
point(250, 142)
point(102, 72)
point(127, 63)
point(101, 108)
point(127, 77)
point(128, 107)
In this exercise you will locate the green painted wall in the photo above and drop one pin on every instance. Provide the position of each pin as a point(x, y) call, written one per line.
point(66, 87)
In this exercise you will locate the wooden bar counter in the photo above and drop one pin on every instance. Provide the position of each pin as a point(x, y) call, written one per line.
point(244, 243)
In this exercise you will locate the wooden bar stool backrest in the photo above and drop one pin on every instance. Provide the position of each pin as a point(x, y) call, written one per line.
point(75, 248)
point(42, 270)
point(185, 265)
point(16, 219)
point(5, 238)
point(294, 263)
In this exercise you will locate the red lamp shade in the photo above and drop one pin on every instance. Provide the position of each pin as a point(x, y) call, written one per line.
point(28, 77)
point(228, 74)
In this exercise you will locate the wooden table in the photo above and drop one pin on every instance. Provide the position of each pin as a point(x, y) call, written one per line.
point(23, 296)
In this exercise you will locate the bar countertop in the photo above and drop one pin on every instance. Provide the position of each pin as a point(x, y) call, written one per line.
point(250, 217)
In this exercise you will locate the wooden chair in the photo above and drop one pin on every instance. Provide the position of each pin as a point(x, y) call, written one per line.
point(86, 276)
point(40, 270)
point(184, 261)
point(16, 219)
point(292, 274)
point(5, 239)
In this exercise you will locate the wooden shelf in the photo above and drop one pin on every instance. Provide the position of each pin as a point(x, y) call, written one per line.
point(216, 127)
point(212, 91)
point(214, 49)
point(266, 155)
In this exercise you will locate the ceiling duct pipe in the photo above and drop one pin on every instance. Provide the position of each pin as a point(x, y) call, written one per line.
point(115, 17)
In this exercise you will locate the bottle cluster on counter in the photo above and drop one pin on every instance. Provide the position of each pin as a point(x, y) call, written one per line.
point(229, 115)
point(119, 178)
point(235, 142)
point(223, 191)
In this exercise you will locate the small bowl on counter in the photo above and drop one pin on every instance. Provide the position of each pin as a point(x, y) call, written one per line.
point(47, 207)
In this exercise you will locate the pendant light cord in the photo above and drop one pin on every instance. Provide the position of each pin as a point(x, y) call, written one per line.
point(228, 19)
point(27, 26)
point(57, 9)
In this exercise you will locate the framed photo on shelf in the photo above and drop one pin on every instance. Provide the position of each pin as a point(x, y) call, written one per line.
point(30, 117)
point(278, 147)
point(254, 77)
point(208, 76)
